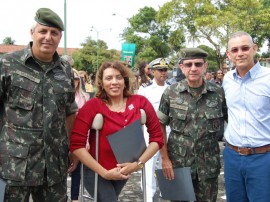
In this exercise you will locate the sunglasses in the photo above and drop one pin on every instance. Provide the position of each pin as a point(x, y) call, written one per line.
point(162, 70)
point(243, 49)
point(190, 64)
point(77, 79)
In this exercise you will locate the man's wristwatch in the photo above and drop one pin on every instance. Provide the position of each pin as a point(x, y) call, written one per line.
point(140, 164)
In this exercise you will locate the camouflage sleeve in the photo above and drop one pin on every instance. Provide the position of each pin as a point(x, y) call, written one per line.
point(225, 110)
point(224, 106)
point(73, 108)
point(1, 86)
point(1, 80)
point(1, 95)
point(164, 107)
point(163, 118)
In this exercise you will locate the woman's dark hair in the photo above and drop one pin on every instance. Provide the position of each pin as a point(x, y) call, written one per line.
point(143, 76)
point(124, 71)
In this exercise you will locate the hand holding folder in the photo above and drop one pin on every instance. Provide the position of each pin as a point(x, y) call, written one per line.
point(179, 189)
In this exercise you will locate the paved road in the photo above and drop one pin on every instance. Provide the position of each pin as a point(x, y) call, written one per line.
point(132, 191)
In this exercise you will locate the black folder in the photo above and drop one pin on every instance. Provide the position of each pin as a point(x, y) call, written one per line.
point(128, 144)
point(2, 189)
point(179, 189)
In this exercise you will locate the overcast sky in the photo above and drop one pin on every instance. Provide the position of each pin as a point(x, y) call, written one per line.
point(17, 17)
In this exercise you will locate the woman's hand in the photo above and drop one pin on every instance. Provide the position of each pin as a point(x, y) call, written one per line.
point(115, 174)
point(128, 168)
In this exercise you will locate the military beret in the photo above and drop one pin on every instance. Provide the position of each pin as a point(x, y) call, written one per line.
point(47, 17)
point(192, 53)
point(159, 63)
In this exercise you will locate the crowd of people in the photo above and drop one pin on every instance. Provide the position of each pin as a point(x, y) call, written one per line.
point(47, 108)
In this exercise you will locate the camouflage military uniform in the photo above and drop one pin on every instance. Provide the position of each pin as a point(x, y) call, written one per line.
point(194, 124)
point(35, 102)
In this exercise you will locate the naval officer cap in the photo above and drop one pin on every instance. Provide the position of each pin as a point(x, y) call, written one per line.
point(47, 17)
point(192, 53)
point(159, 63)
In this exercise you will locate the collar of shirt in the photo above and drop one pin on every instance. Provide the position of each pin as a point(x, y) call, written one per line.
point(183, 86)
point(155, 83)
point(252, 73)
point(28, 55)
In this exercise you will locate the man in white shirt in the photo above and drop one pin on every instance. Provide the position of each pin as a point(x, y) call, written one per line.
point(153, 91)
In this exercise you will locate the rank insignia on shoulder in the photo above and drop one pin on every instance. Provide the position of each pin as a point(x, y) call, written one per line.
point(147, 84)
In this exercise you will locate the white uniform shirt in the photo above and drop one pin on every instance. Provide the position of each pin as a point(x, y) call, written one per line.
point(153, 93)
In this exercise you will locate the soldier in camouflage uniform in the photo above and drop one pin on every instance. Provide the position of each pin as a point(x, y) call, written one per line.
point(194, 108)
point(37, 111)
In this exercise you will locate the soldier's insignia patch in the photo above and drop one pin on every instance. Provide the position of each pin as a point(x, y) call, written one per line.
point(147, 84)
point(211, 103)
point(59, 76)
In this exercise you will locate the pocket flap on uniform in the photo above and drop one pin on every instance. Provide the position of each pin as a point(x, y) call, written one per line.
point(178, 113)
point(25, 81)
point(17, 150)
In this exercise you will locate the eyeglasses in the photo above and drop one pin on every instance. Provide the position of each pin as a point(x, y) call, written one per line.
point(190, 64)
point(243, 49)
point(162, 70)
point(76, 79)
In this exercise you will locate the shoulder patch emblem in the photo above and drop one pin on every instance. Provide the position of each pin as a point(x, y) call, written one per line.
point(146, 84)
point(59, 76)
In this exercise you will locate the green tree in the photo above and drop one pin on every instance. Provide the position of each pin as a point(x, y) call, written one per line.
point(8, 41)
point(211, 58)
point(265, 55)
point(214, 21)
point(92, 55)
point(266, 3)
point(153, 39)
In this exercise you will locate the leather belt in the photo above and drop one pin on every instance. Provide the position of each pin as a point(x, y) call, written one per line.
point(249, 150)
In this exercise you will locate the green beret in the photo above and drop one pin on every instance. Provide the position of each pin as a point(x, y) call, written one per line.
point(192, 53)
point(47, 17)
point(159, 63)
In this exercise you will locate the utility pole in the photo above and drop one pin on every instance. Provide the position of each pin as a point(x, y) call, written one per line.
point(65, 32)
point(98, 31)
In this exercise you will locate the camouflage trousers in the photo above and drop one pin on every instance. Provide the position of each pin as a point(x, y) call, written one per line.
point(42, 193)
point(205, 190)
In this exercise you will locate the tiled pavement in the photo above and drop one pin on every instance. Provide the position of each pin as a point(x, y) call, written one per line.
point(132, 191)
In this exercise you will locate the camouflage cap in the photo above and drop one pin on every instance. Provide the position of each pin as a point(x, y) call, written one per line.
point(159, 63)
point(47, 17)
point(192, 53)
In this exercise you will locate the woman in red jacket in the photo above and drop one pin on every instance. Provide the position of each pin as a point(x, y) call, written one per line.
point(119, 108)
